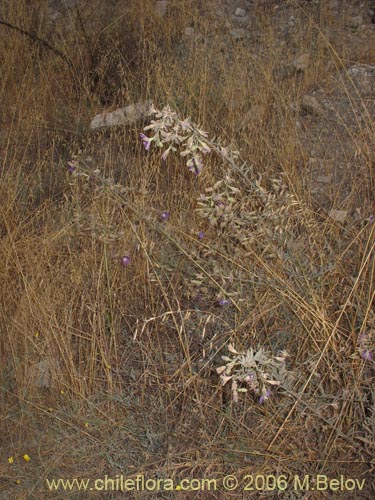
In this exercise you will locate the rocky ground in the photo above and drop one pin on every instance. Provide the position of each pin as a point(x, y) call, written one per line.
point(334, 119)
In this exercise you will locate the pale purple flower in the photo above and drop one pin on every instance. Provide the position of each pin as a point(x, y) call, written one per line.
point(71, 167)
point(265, 396)
point(165, 215)
point(125, 260)
point(224, 302)
point(367, 355)
point(201, 235)
point(195, 165)
point(146, 141)
point(371, 219)
point(249, 378)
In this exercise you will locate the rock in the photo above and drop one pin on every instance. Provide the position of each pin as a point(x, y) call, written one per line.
point(240, 34)
point(333, 4)
point(291, 22)
point(191, 34)
point(240, 12)
point(311, 105)
point(57, 8)
point(122, 116)
point(189, 31)
point(338, 215)
point(355, 22)
point(62, 5)
point(41, 373)
point(53, 15)
point(363, 76)
point(161, 7)
point(325, 179)
point(241, 21)
point(302, 62)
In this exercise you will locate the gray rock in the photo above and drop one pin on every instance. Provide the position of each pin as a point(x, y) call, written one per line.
point(333, 4)
point(311, 105)
point(53, 15)
point(189, 31)
point(161, 7)
point(240, 12)
point(363, 76)
point(302, 62)
point(41, 374)
point(240, 34)
point(242, 21)
point(62, 5)
point(191, 34)
point(291, 22)
point(355, 22)
point(325, 179)
point(338, 215)
point(58, 8)
point(122, 116)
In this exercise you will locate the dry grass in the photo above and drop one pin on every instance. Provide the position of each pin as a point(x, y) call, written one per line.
point(110, 369)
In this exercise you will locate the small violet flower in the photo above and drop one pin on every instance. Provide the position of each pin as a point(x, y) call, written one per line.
point(195, 165)
point(371, 219)
point(201, 235)
point(367, 355)
point(265, 396)
point(224, 302)
point(165, 215)
point(146, 141)
point(71, 167)
point(125, 260)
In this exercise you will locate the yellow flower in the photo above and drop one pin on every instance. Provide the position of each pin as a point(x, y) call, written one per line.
point(26, 457)
point(86, 424)
point(10, 460)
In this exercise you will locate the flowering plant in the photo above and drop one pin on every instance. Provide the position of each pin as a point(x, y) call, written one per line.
point(167, 129)
point(257, 370)
point(245, 210)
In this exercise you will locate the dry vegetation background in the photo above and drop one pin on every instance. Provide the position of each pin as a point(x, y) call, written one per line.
point(111, 369)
